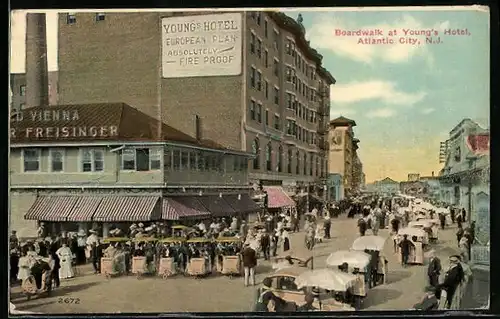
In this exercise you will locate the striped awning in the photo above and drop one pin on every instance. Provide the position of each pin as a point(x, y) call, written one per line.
point(217, 205)
point(51, 208)
point(128, 209)
point(277, 197)
point(174, 210)
point(84, 208)
point(242, 203)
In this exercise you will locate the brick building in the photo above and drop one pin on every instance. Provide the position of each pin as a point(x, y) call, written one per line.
point(18, 87)
point(277, 107)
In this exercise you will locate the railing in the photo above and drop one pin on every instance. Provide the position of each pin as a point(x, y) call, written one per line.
point(480, 255)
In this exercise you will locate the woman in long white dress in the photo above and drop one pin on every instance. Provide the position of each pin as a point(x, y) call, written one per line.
point(66, 257)
point(24, 267)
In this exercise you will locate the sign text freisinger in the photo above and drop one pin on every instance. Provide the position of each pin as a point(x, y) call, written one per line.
point(204, 45)
point(56, 124)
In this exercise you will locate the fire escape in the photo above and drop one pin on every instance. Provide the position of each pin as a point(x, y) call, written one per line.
point(323, 123)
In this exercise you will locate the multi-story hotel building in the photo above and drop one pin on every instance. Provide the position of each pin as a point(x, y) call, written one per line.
point(276, 103)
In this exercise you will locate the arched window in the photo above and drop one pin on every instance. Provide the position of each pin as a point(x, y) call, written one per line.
point(289, 159)
point(269, 158)
point(297, 163)
point(279, 167)
point(256, 153)
point(305, 164)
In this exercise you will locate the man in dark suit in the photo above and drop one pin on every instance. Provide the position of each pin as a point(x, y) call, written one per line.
point(265, 244)
point(430, 300)
point(249, 257)
point(452, 279)
point(406, 246)
point(433, 270)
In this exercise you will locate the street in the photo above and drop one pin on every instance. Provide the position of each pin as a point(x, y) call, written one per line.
point(90, 293)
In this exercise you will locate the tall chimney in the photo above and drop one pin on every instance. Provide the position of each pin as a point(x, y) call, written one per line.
point(37, 75)
point(432, 173)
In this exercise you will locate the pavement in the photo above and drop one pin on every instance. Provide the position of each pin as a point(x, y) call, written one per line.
point(89, 293)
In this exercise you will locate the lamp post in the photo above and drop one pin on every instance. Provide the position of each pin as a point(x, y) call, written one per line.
point(471, 160)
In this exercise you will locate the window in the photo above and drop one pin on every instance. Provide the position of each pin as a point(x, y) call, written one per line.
point(276, 96)
point(267, 117)
point(202, 163)
point(311, 164)
point(139, 159)
point(155, 159)
point(176, 159)
point(269, 161)
point(252, 110)
point(266, 58)
point(167, 159)
point(289, 74)
point(276, 39)
point(289, 100)
point(22, 90)
point(289, 127)
point(184, 160)
point(259, 112)
point(288, 47)
point(258, 17)
point(128, 159)
point(266, 89)
point(252, 43)
point(289, 159)
point(142, 159)
point(297, 163)
point(318, 168)
point(256, 153)
point(279, 165)
point(21, 106)
point(56, 160)
point(71, 18)
point(259, 48)
point(31, 160)
point(99, 16)
point(305, 164)
point(259, 81)
point(276, 67)
point(252, 76)
point(92, 160)
point(266, 28)
point(276, 122)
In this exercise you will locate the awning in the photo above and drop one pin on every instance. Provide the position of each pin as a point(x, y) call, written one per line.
point(217, 205)
point(277, 197)
point(51, 208)
point(192, 202)
point(84, 208)
point(174, 210)
point(128, 209)
point(242, 203)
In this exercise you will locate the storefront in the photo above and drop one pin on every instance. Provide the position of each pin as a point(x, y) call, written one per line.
point(125, 175)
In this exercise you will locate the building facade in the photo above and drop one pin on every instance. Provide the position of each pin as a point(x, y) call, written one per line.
point(465, 176)
point(343, 158)
point(18, 87)
point(75, 166)
point(276, 107)
point(385, 186)
point(334, 187)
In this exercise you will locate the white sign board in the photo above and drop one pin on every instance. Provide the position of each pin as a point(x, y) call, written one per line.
point(202, 45)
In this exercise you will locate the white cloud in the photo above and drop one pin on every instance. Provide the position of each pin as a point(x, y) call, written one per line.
point(383, 91)
point(428, 110)
point(382, 113)
point(322, 36)
point(336, 112)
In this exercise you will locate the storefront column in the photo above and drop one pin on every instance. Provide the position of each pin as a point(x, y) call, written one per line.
point(105, 229)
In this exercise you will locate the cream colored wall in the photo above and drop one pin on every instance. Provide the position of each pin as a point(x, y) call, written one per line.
point(336, 156)
point(20, 203)
point(206, 178)
point(72, 175)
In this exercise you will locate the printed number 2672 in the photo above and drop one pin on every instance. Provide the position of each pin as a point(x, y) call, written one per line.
point(75, 301)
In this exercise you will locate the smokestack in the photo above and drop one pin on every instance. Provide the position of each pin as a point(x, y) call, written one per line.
point(432, 173)
point(197, 124)
point(37, 75)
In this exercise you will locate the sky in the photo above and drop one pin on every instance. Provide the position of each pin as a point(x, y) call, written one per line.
point(404, 98)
